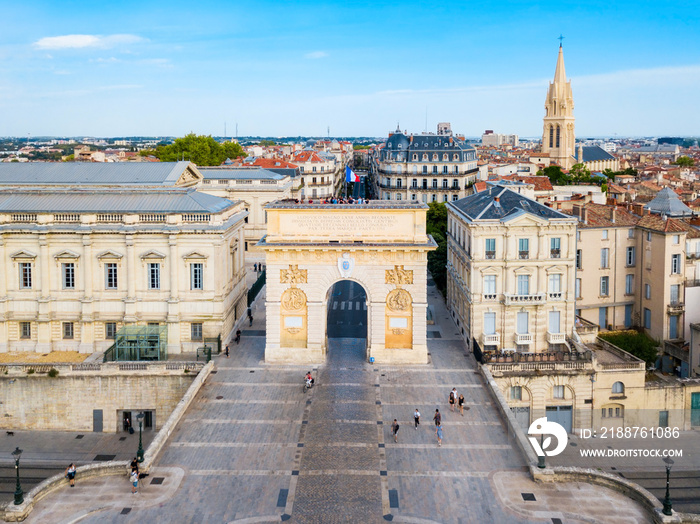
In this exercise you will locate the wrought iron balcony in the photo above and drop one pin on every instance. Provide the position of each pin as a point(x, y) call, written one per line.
point(524, 299)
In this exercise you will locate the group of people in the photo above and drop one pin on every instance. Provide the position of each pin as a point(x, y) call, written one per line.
point(454, 398)
point(335, 200)
point(133, 476)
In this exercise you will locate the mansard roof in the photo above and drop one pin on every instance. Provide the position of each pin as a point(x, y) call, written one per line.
point(98, 173)
point(499, 203)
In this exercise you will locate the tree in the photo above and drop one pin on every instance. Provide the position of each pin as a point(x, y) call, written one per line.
point(200, 149)
point(579, 173)
point(555, 175)
point(436, 225)
point(266, 143)
point(685, 161)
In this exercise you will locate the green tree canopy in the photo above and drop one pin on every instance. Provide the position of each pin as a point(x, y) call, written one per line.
point(685, 161)
point(200, 149)
point(555, 175)
point(436, 225)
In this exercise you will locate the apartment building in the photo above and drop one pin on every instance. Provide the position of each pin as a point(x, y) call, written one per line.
point(319, 174)
point(424, 168)
point(510, 272)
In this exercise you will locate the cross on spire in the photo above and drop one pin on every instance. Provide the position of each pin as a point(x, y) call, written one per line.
point(561, 38)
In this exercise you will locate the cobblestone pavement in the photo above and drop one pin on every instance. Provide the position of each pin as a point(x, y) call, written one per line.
point(254, 448)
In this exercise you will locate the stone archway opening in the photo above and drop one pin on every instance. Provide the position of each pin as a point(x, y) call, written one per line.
point(346, 321)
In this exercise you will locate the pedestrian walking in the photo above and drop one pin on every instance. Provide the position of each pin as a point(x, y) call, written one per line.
point(226, 350)
point(453, 398)
point(395, 430)
point(134, 479)
point(437, 417)
point(416, 418)
point(255, 267)
point(250, 319)
point(70, 474)
point(135, 465)
point(461, 404)
point(438, 432)
point(238, 336)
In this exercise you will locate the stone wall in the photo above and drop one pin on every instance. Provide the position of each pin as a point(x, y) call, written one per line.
point(35, 401)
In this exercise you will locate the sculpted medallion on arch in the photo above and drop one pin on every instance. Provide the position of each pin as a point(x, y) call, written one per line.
point(294, 299)
point(399, 300)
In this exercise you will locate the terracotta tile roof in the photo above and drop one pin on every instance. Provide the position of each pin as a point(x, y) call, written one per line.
point(480, 186)
point(272, 162)
point(656, 223)
point(307, 156)
point(541, 183)
point(600, 215)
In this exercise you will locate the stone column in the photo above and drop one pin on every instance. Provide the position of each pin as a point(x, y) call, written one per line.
point(87, 338)
point(3, 295)
point(173, 318)
point(130, 300)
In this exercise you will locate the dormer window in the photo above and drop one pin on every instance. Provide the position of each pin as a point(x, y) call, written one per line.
point(399, 146)
point(415, 156)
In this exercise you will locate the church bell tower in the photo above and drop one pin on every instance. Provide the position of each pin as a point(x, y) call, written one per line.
point(558, 137)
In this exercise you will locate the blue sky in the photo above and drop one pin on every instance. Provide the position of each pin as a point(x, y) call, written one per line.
point(282, 68)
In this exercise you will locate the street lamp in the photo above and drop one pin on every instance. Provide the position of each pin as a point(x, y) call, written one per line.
point(139, 453)
point(540, 458)
point(668, 505)
point(19, 494)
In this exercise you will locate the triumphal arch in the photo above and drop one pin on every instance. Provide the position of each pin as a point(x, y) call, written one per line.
point(382, 246)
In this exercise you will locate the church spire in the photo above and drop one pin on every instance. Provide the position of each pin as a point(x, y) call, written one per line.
point(560, 72)
point(558, 136)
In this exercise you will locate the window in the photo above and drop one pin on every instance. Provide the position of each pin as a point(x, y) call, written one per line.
point(524, 247)
point(676, 240)
point(413, 196)
point(313, 169)
point(399, 183)
point(555, 284)
point(490, 248)
point(489, 323)
point(578, 288)
point(554, 319)
point(196, 331)
point(425, 170)
point(68, 330)
point(435, 169)
point(675, 264)
point(647, 318)
point(522, 323)
point(630, 233)
point(414, 185)
point(647, 291)
point(523, 284)
point(618, 388)
point(154, 276)
point(604, 286)
point(675, 294)
point(558, 392)
point(435, 183)
point(648, 236)
point(579, 257)
point(25, 329)
point(555, 247)
point(444, 169)
point(516, 393)
point(444, 198)
point(25, 275)
point(111, 275)
point(68, 275)
point(456, 170)
point(617, 412)
point(110, 330)
point(629, 284)
point(444, 183)
point(605, 234)
point(605, 258)
point(490, 285)
point(197, 276)
point(313, 180)
point(455, 184)
point(455, 198)
point(434, 198)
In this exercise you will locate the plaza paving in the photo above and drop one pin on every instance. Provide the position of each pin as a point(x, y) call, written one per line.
point(254, 448)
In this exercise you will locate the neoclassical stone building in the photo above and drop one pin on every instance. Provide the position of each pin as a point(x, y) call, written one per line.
point(424, 168)
point(382, 246)
point(128, 246)
point(510, 271)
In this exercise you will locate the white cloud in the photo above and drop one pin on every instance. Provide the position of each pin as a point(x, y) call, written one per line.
point(315, 55)
point(86, 41)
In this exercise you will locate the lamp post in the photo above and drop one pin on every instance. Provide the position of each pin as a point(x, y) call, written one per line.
point(540, 458)
point(668, 505)
point(19, 494)
point(139, 453)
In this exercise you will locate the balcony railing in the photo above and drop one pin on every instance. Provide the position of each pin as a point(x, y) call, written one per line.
point(556, 296)
point(490, 255)
point(490, 296)
point(556, 338)
point(555, 253)
point(676, 308)
point(523, 338)
point(523, 255)
point(524, 299)
point(490, 340)
point(692, 283)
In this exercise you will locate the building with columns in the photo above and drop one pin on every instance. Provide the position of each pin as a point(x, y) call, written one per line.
point(126, 247)
point(510, 272)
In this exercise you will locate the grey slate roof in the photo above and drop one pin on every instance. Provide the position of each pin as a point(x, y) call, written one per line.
point(125, 200)
point(483, 206)
point(593, 154)
point(91, 173)
point(666, 202)
point(400, 143)
point(238, 173)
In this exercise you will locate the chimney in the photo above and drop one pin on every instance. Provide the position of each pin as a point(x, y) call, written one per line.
point(614, 210)
point(496, 199)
